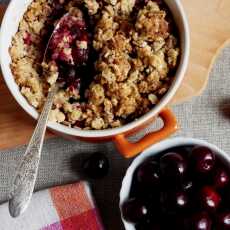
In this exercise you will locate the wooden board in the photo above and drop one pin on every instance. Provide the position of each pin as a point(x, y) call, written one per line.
point(210, 31)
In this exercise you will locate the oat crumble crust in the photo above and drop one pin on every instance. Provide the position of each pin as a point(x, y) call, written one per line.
point(138, 53)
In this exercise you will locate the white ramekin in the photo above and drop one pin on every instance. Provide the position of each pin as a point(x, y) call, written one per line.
point(9, 27)
point(154, 150)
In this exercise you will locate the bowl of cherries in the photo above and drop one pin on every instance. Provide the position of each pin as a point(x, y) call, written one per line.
point(180, 183)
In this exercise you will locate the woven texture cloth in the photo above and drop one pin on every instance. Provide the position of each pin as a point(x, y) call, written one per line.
point(206, 117)
point(69, 207)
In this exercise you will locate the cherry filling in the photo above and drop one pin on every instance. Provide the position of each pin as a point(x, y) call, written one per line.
point(69, 49)
point(69, 43)
point(27, 39)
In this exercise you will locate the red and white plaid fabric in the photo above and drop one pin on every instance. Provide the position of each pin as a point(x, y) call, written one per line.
point(68, 207)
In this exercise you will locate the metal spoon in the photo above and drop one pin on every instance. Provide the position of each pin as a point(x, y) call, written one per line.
point(26, 173)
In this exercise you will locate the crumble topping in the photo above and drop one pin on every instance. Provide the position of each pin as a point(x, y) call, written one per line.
point(115, 61)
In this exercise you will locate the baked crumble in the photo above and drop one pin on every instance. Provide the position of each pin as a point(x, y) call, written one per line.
point(114, 64)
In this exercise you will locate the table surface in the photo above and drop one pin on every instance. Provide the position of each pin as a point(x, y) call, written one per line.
point(206, 117)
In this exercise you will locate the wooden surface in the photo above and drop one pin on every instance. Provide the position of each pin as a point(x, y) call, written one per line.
point(210, 31)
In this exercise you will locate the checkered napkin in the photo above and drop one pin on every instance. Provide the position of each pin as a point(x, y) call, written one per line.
point(68, 207)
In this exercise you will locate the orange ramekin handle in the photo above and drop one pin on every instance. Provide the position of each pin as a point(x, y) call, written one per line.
point(129, 149)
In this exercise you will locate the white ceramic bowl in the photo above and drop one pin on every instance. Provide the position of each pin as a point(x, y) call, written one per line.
point(154, 150)
point(9, 27)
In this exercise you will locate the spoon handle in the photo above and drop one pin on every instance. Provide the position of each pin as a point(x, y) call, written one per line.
point(26, 173)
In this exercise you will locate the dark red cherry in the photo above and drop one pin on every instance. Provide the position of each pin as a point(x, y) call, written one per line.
point(173, 167)
point(174, 202)
point(200, 221)
point(148, 174)
point(96, 166)
point(134, 210)
point(188, 185)
point(148, 224)
point(172, 221)
point(147, 227)
point(223, 221)
point(225, 205)
point(209, 198)
point(221, 178)
point(203, 159)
